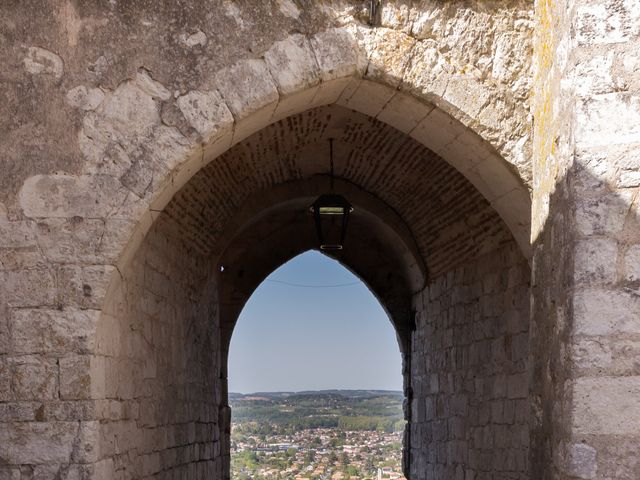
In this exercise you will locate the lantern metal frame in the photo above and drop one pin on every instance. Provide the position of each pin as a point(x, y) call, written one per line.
point(331, 205)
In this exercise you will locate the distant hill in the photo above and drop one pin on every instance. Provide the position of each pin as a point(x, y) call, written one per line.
point(342, 393)
point(294, 411)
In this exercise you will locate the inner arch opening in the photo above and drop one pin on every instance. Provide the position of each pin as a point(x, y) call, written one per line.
point(315, 378)
point(313, 325)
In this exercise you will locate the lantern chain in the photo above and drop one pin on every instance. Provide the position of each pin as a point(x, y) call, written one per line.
point(331, 160)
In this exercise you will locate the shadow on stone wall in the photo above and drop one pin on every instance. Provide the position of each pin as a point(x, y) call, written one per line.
point(585, 329)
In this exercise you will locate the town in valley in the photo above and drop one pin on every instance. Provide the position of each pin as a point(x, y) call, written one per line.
point(323, 435)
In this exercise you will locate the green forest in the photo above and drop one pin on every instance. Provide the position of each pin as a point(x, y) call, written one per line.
point(282, 413)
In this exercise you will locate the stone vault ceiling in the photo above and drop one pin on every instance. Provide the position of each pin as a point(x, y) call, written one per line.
point(451, 219)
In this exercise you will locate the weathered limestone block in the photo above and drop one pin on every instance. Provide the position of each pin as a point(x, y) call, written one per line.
point(247, 87)
point(154, 162)
point(437, 131)
point(82, 240)
point(469, 97)
point(292, 65)
point(35, 443)
point(428, 73)
point(430, 19)
point(27, 288)
point(389, 55)
point(250, 93)
point(66, 196)
point(19, 249)
point(53, 331)
point(130, 111)
point(338, 54)
point(82, 377)
point(366, 96)
point(606, 312)
point(123, 138)
point(404, 113)
point(591, 356)
point(632, 263)
point(206, 113)
point(85, 99)
point(630, 179)
point(40, 61)
point(396, 15)
point(16, 234)
point(156, 90)
point(503, 123)
point(85, 286)
point(512, 50)
point(87, 447)
point(33, 378)
point(595, 261)
point(606, 405)
point(295, 71)
point(22, 411)
point(67, 411)
point(604, 215)
point(598, 24)
point(607, 119)
point(625, 357)
point(5, 379)
point(594, 75)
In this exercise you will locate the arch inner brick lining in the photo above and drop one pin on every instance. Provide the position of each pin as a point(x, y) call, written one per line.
point(449, 219)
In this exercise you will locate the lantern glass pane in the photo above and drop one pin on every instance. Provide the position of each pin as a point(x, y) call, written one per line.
point(331, 210)
point(330, 247)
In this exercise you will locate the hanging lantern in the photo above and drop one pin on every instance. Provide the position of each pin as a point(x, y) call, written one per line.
point(331, 215)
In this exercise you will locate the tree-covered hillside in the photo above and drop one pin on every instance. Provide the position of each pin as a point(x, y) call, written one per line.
point(344, 409)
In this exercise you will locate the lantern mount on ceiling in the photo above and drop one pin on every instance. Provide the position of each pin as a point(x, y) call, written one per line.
point(331, 214)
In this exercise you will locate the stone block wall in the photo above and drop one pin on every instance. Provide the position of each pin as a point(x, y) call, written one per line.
point(470, 372)
point(126, 389)
point(605, 179)
point(49, 314)
point(159, 355)
point(585, 233)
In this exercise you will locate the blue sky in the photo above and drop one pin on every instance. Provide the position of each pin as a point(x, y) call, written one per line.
point(292, 338)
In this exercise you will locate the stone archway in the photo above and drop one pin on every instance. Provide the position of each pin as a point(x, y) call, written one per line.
point(429, 245)
point(111, 108)
point(144, 367)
